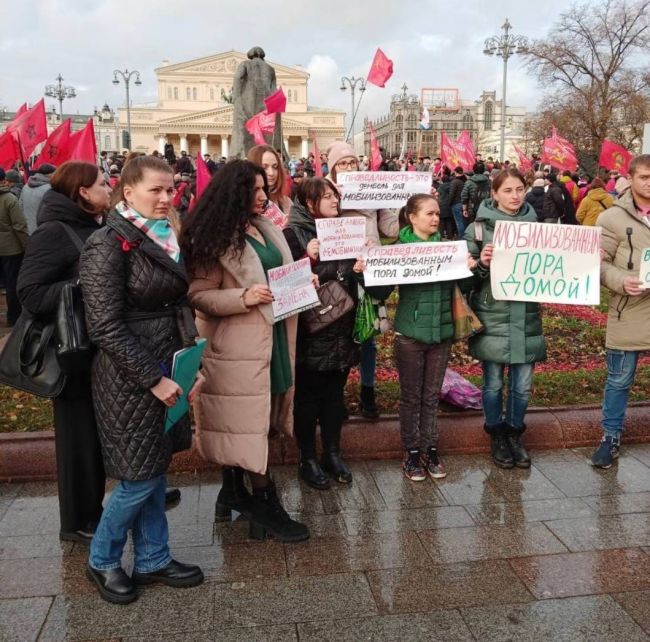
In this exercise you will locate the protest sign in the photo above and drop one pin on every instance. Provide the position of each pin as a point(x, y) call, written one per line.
point(381, 190)
point(546, 263)
point(416, 263)
point(644, 274)
point(292, 289)
point(341, 237)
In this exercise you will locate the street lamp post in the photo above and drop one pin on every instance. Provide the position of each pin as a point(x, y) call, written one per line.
point(60, 92)
point(126, 77)
point(352, 83)
point(505, 46)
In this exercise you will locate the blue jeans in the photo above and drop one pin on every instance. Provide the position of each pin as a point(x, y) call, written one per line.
point(368, 363)
point(621, 367)
point(459, 219)
point(140, 506)
point(520, 382)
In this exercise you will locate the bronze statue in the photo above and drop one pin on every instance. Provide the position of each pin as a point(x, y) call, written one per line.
point(254, 80)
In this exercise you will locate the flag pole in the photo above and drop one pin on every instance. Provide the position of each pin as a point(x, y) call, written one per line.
point(22, 158)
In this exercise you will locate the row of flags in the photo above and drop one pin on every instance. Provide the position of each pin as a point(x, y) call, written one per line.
point(29, 129)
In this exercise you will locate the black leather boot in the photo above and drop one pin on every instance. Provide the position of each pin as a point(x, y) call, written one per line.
point(268, 517)
point(312, 474)
point(500, 449)
point(367, 403)
point(335, 467)
point(519, 453)
point(113, 585)
point(233, 496)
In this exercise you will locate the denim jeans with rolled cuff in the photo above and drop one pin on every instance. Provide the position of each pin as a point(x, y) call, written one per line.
point(520, 382)
point(621, 368)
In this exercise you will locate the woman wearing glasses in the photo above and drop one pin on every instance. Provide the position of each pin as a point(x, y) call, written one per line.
point(341, 158)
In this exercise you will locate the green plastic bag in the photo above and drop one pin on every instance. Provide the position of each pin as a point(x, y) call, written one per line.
point(366, 321)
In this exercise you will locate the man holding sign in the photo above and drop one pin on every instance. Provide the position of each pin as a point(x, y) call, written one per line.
point(625, 241)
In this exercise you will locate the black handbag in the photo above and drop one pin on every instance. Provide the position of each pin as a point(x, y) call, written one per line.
point(335, 302)
point(28, 361)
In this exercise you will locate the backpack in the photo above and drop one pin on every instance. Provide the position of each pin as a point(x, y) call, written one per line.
point(483, 191)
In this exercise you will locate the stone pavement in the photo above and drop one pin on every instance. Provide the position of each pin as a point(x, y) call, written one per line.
point(559, 552)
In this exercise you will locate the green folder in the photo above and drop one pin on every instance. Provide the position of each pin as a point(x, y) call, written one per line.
point(185, 367)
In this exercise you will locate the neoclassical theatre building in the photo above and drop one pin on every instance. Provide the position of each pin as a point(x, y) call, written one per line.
point(194, 114)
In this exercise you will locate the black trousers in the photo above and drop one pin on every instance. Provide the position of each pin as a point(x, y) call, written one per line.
point(10, 266)
point(318, 399)
point(79, 464)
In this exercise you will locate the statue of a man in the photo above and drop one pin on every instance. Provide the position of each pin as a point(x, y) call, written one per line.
point(254, 80)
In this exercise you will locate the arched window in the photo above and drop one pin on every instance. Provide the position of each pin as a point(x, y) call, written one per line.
point(175, 93)
point(488, 115)
point(398, 121)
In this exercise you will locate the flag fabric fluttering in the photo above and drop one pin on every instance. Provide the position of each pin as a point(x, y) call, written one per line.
point(30, 128)
point(203, 176)
point(459, 152)
point(9, 152)
point(276, 103)
point(524, 162)
point(465, 147)
point(57, 146)
point(260, 124)
point(318, 166)
point(559, 152)
point(425, 122)
point(82, 145)
point(380, 70)
point(614, 157)
point(375, 153)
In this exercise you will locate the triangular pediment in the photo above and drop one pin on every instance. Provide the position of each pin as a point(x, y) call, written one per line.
point(223, 63)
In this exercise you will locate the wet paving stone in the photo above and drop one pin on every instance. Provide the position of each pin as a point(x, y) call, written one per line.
point(21, 620)
point(618, 504)
point(578, 619)
point(570, 574)
point(636, 605)
point(282, 633)
point(29, 546)
point(530, 511)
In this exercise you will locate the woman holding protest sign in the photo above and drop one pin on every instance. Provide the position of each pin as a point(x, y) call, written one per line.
point(279, 204)
point(341, 158)
point(324, 359)
point(513, 334)
point(249, 363)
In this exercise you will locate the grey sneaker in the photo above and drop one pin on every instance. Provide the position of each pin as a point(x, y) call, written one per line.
point(606, 453)
point(432, 464)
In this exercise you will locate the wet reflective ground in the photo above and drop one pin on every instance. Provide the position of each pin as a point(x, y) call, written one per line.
point(559, 552)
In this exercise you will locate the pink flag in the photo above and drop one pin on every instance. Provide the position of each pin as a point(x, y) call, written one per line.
point(276, 103)
point(375, 155)
point(380, 70)
point(203, 176)
point(613, 156)
point(524, 162)
point(318, 167)
point(82, 144)
point(559, 152)
point(57, 146)
point(260, 124)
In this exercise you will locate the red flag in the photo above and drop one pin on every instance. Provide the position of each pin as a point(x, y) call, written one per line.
point(559, 152)
point(82, 144)
point(380, 70)
point(524, 162)
point(21, 110)
point(260, 124)
point(276, 103)
point(465, 148)
point(30, 128)
point(457, 153)
point(9, 152)
point(375, 154)
point(203, 176)
point(318, 167)
point(57, 147)
point(613, 156)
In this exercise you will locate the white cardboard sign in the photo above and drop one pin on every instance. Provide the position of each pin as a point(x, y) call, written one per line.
point(341, 237)
point(381, 190)
point(292, 289)
point(644, 273)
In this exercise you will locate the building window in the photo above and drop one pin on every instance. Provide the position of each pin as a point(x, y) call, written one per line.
point(175, 93)
point(398, 138)
point(398, 120)
point(194, 93)
point(107, 142)
point(488, 115)
point(188, 93)
point(468, 121)
point(410, 137)
point(412, 121)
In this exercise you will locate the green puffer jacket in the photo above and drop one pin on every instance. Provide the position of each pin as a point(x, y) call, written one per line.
point(424, 309)
point(513, 329)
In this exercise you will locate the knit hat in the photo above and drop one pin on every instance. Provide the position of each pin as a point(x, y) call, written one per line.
point(46, 169)
point(14, 176)
point(337, 151)
point(538, 182)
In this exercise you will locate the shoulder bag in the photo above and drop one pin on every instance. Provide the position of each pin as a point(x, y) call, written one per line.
point(335, 303)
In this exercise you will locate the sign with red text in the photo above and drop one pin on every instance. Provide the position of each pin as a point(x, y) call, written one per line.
point(381, 190)
point(644, 273)
point(546, 263)
point(292, 289)
point(341, 237)
point(416, 263)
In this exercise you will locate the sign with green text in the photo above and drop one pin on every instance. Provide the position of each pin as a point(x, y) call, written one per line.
point(644, 274)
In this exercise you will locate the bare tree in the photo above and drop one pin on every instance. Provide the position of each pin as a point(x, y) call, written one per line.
point(592, 62)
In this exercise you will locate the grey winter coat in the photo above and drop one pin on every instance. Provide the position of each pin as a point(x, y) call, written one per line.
point(31, 197)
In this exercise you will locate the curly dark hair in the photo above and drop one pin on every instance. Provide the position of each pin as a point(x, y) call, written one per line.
point(218, 222)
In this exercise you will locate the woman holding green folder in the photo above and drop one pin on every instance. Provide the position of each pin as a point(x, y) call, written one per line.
point(249, 360)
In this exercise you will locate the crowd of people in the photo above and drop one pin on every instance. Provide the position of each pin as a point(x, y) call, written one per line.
point(157, 271)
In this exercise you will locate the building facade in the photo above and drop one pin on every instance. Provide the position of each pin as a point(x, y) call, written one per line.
point(194, 111)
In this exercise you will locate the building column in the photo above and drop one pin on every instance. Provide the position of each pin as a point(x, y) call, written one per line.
point(204, 144)
point(304, 147)
point(225, 152)
point(184, 146)
point(286, 145)
point(162, 141)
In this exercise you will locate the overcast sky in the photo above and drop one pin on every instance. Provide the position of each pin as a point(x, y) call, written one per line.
point(432, 44)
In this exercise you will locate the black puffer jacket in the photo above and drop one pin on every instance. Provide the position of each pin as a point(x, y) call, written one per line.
point(136, 315)
point(535, 198)
point(332, 348)
point(51, 258)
